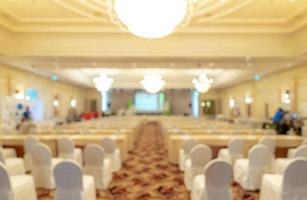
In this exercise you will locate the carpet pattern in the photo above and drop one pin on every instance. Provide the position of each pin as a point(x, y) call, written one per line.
point(148, 175)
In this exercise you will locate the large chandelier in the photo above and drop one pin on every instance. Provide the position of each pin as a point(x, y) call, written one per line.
point(103, 83)
point(153, 83)
point(150, 18)
point(203, 83)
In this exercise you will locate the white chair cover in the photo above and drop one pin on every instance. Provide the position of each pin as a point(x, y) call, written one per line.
point(42, 166)
point(112, 152)
point(9, 152)
point(15, 166)
point(214, 184)
point(97, 166)
point(290, 186)
point(200, 155)
point(269, 142)
point(17, 187)
point(235, 151)
point(27, 145)
point(67, 150)
point(248, 172)
point(71, 185)
point(282, 163)
point(184, 152)
point(292, 151)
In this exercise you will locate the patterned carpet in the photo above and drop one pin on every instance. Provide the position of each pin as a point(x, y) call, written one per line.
point(147, 174)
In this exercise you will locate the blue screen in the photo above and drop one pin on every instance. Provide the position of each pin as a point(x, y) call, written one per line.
point(146, 102)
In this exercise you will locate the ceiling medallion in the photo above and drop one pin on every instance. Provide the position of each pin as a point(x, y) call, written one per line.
point(150, 19)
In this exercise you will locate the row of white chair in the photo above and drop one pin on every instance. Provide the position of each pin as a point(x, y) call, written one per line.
point(247, 172)
point(70, 183)
point(97, 163)
point(67, 150)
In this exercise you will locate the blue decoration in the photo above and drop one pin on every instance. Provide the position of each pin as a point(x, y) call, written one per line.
point(19, 106)
point(54, 77)
point(257, 77)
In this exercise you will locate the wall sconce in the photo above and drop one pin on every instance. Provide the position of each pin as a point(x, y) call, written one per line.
point(232, 102)
point(56, 103)
point(18, 94)
point(286, 97)
point(73, 103)
point(248, 99)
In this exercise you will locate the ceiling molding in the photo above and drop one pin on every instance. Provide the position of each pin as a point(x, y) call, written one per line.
point(214, 24)
point(296, 13)
point(89, 5)
point(228, 11)
point(67, 26)
point(10, 13)
point(64, 4)
point(207, 8)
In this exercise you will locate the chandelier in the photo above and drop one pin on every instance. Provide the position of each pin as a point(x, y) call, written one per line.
point(203, 83)
point(103, 83)
point(150, 19)
point(153, 83)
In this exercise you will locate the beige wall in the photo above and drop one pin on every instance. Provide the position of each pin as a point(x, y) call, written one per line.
point(92, 94)
point(12, 79)
point(213, 95)
point(268, 91)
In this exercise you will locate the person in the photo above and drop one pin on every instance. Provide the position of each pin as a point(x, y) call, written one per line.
point(298, 126)
point(25, 126)
point(277, 119)
point(27, 114)
point(285, 124)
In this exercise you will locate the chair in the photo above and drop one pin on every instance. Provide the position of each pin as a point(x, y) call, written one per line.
point(15, 166)
point(282, 163)
point(292, 185)
point(184, 152)
point(235, 151)
point(291, 152)
point(67, 150)
point(42, 166)
point(248, 172)
point(8, 152)
point(71, 184)
point(27, 145)
point(214, 184)
point(16, 187)
point(269, 142)
point(112, 152)
point(97, 166)
point(200, 155)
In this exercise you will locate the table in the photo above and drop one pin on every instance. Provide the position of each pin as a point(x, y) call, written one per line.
point(16, 141)
point(217, 142)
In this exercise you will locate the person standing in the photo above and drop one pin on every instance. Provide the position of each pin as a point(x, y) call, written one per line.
point(27, 114)
point(277, 119)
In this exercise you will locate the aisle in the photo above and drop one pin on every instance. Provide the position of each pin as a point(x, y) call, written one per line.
point(147, 174)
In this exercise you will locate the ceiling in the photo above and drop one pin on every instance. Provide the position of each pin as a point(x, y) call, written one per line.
point(231, 41)
point(209, 16)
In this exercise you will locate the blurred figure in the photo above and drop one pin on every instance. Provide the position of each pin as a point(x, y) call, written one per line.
point(26, 116)
point(297, 126)
point(277, 119)
point(285, 124)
